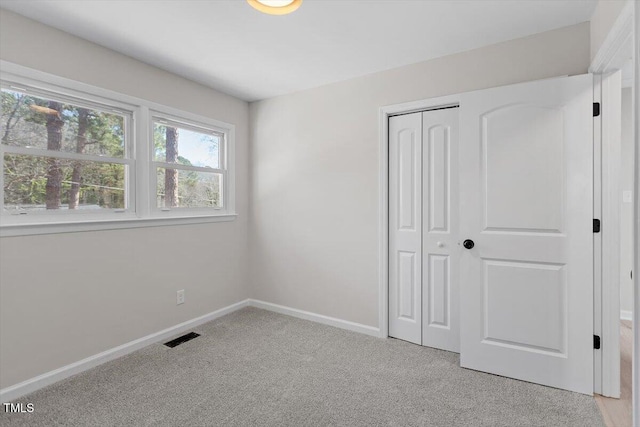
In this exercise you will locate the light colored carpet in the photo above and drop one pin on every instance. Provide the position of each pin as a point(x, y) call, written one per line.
point(254, 367)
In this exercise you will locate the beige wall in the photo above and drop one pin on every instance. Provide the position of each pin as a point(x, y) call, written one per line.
point(603, 18)
point(626, 212)
point(68, 296)
point(314, 169)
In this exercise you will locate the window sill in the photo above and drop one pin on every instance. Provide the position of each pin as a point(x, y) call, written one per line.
point(13, 230)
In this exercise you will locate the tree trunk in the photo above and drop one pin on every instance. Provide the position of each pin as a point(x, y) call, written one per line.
point(9, 126)
point(54, 143)
point(171, 175)
point(81, 142)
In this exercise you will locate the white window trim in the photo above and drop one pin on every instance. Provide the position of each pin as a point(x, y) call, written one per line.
point(140, 212)
point(223, 163)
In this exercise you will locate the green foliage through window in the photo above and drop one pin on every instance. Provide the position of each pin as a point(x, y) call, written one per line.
point(37, 182)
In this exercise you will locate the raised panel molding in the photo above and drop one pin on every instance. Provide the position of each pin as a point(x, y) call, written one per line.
point(439, 290)
point(525, 305)
point(407, 285)
point(406, 179)
point(438, 187)
point(520, 141)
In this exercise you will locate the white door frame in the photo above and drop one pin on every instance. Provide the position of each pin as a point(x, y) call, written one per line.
point(625, 33)
point(636, 214)
point(610, 58)
point(606, 197)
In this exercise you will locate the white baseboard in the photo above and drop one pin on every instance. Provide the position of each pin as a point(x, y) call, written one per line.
point(626, 315)
point(10, 393)
point(15, 391)
point(319, 318)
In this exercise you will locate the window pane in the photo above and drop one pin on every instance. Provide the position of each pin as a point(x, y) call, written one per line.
point(32, 121)
point(177, 145)
point(188, 189)
point(43, 183)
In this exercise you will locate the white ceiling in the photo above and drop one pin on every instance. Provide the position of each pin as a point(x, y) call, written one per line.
point(228, 45)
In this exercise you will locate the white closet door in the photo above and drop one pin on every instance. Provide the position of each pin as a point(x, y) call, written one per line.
point(405, 227)
point(440, 246)
point(526, 201)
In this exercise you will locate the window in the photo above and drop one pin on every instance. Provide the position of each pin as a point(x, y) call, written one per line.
point(76, 154)
point(60, 154)
point(189, 164)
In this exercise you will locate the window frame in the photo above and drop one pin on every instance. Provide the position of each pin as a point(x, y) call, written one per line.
point(140, 181)
point(196, 126)
point(95, 104)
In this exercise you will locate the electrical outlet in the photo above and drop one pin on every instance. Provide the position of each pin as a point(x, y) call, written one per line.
point(627, 196)
point(180, 297)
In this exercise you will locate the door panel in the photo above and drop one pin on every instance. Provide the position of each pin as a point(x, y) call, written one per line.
point(405, 227)
point(515, 295)
point(437, 158)
point(522, 151)
point(526, 287)
point(407, 284)
point(438, 291)
point(440, 251)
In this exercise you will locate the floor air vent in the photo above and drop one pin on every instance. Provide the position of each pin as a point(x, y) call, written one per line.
point(182, 339)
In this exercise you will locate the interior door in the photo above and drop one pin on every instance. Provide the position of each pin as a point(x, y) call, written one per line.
point(405, 227)
point(526, 276)
point(440, 251)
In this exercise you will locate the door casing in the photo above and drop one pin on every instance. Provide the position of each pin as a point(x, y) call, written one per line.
point(610, 58)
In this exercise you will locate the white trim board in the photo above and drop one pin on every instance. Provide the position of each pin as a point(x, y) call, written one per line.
point(635, 369)
point(15, 230)
point(626, 315)
point(607, 204)
point(616, 47)
point(15, 391)
point(318, 318)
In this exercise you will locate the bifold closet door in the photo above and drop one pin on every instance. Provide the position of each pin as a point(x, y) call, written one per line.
point(405, 227)
point(440, 245)
point(423, 246)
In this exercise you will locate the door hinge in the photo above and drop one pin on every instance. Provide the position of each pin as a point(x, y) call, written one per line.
point(596, 225)
point(596, 342)
point(596, 109)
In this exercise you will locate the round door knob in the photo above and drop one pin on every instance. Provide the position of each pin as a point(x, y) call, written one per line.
point(468, 244)
point(440, 244)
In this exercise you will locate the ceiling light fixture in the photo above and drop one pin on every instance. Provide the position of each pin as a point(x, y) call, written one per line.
point(275, 7)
